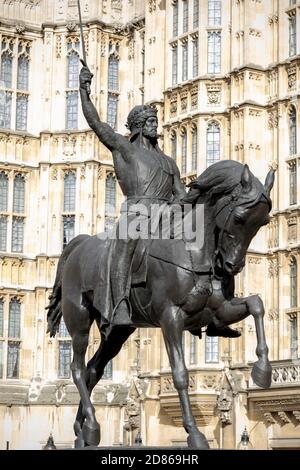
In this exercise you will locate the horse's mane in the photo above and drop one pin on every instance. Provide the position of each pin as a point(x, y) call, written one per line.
point(221, 179)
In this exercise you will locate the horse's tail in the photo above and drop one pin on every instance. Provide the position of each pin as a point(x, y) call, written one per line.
point(54, 308)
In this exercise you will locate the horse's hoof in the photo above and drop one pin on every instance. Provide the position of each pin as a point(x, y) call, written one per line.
point(197, 441)
point(91, 435)
point(79, 443)
point(262, 376)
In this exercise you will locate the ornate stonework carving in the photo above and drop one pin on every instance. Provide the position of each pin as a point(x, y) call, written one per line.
point(269, 418)
point(31, 3)
point(194, 97)
point(224, 406)
point(292, 77)
point(254, 260)
point(132, 414)
point(20, 28)
point(173, 105)
point(273, 118)
point(273, 314)
point(116, 5)
point(71, 26)
point(273, 268)
point(151, 5)
point(214, 93)
point(183, 101)
point(58, 44)
point(254, 32)
point(292, 228)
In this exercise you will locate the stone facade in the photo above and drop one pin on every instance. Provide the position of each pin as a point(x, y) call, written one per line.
point(249, 101)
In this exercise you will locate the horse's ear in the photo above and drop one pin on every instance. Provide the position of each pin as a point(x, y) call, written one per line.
point(269, 181)
point(246, 179)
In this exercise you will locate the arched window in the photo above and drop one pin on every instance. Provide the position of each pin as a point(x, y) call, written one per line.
point(194, 148)
point(69, 191)
point(6, 69)
point(72, 86)
point(174, 145)
point(293, 130)
point(293, 283)
point(183, 151)
point(110, 195)
point(113, 73)
point(19, 194)
point(73, 69)
point(212, 143)
point(23, 73)
point(3, 191)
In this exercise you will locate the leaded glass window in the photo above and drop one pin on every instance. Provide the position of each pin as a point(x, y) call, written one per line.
point(64, 359)
point(72, 110)
point(184, 61)
point(112, 109)
point(213, 144)
point(214, 12)
point(194, 148)
point(110, 195)
point(17, 234)
point(113, 73)
point(68, 228)
point(21, 112)
point(3, 191)
point(69, 192)
point(5, 109)
point(3, 232)
point(293, 283)
point(211, 349)
point(23, 73)
point(19, 194)
point(6, 70)
point(73, 69)
point(13, 357)
point(183, 151)
point(214, 52)
point(14, 321)
point(174, 65)
point(292, 36)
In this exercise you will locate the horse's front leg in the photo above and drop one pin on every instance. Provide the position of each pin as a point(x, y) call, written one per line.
point(172, 328)
point(236, 310)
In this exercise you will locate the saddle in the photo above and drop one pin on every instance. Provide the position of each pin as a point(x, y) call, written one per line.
point(173, 251)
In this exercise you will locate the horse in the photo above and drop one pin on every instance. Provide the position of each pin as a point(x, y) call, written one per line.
point(236, 204)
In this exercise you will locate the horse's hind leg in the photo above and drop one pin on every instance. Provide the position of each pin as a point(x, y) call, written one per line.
point(78, 322)
point(108, 349)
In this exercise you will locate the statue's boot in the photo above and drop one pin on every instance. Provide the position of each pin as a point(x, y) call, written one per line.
point(122, 308)
point(226, 331)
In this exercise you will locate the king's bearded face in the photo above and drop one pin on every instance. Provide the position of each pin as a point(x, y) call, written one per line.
point(150, 128)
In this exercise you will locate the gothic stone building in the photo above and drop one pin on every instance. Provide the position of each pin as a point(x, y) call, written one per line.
point(225, 77)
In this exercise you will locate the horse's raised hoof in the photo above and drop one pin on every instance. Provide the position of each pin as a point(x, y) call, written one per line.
point(91, 436)
point(197, 441)
point(262, 374)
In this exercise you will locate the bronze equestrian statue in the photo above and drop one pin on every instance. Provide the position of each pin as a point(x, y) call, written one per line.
point(177, 292)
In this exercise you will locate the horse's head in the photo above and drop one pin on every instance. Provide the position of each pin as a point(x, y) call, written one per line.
point(238, 218)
